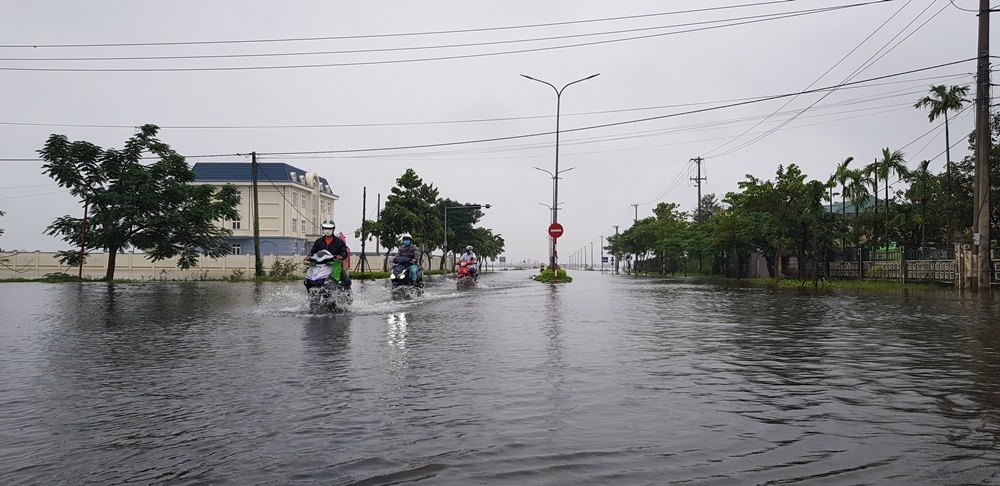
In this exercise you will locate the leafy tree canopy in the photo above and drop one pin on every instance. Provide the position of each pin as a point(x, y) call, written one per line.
point(153, 207)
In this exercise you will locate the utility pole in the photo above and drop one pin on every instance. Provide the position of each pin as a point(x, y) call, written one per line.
point(378, 243)
point(981, 186)
point(363, 261)
point(616, 257)
point(636, 206)
point(697, 181)
point(258, 263)
point(602, 253)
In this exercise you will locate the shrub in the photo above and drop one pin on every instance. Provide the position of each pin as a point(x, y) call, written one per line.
point(237, 275)
point(548, 276)
point(285, 269)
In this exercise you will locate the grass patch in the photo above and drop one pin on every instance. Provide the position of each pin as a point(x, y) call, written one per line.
point(548, 276)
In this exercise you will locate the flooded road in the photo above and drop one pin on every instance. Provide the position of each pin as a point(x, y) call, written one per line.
point(607, 380)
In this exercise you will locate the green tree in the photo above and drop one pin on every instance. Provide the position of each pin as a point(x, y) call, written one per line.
point(709, 206)
point(922, 189)
point(841, 177)
point(779, 213)
point(891, 162)
point(461, 225)
point(941, 101)
point(409, 208)
point(154, 207)
point(488, 246)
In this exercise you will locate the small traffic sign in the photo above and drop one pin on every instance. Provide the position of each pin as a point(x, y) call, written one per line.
point(555, 230)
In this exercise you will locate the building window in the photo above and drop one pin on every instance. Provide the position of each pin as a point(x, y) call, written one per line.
point(237, 249)
point(295, 198)
point(303, 226)
point(237, 224)
point(295, 226)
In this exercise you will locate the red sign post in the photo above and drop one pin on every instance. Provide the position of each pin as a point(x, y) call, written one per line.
point(555, 230)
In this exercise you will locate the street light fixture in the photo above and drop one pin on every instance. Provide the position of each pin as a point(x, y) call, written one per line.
point(467, 206)
point(555, 173)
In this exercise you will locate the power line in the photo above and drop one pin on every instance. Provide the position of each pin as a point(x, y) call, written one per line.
point(579, 129)
point(452, 57)
point(439, 122)
point(842, 59)
point(625, 122)
point(856, 72)
point(396, 49)
point(402, 34)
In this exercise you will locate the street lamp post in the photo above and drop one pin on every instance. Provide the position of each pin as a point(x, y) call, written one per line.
point(555, 174)
point(468, 206)
point(602, 253)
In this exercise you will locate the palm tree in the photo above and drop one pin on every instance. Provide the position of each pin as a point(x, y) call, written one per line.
point(940, 101)
point(921, 177)
point(890, 162)
point(872, 170)
point(856, 188)
point(841, 176)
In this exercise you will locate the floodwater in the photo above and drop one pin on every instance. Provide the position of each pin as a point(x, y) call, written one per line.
point(607, 380)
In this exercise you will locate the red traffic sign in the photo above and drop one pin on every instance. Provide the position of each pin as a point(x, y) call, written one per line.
point(555, 230)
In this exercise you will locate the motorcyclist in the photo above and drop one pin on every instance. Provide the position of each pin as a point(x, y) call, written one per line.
point(409, 253)
point(470, 258)
point(336, 246)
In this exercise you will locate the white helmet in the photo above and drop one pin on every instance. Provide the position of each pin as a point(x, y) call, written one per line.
point(468, 248)
point(406, 236)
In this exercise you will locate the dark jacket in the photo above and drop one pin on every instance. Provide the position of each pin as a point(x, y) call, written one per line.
point(336, 247)
point(411, 252)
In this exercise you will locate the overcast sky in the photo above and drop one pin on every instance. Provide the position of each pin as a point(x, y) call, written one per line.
point(383, 75)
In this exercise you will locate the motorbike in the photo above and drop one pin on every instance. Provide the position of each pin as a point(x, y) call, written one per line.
point(322, 283)
point(404, 284)
point(465, 279)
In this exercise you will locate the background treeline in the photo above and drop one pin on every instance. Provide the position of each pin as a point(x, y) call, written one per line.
point(888, 202)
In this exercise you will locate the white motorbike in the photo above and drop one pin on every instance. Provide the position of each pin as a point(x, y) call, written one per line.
point(322, 282)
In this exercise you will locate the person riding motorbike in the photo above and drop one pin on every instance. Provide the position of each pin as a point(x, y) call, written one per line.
point(409, 253)
point(470, 258)
point(335, 246)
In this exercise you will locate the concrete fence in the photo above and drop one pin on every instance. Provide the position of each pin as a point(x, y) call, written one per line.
point(136, 266)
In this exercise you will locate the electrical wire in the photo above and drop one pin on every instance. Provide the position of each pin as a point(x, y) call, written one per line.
point(842, 59)
point(963, 9)
point(856, 72)
point(391, 49)
point(442, 122)
point(613, 124)
point(579, 129)
point(451, 57)
point(403, 34)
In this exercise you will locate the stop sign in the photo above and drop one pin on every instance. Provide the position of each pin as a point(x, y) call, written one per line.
point(555, 230)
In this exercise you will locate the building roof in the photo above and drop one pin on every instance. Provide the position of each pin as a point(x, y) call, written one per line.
point(276, 172)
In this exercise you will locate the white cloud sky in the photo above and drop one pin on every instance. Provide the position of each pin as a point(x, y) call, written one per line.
point(370, 100)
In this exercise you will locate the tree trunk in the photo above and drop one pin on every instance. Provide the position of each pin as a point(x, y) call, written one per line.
point(110, 274)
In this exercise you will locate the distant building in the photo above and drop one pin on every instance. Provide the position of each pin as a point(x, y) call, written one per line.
point(293, 203)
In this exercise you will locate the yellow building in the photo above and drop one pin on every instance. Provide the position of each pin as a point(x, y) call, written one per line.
point(292, 205)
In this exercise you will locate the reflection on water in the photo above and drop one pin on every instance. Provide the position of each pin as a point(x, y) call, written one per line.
point(607, 380)
point(396, 339)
